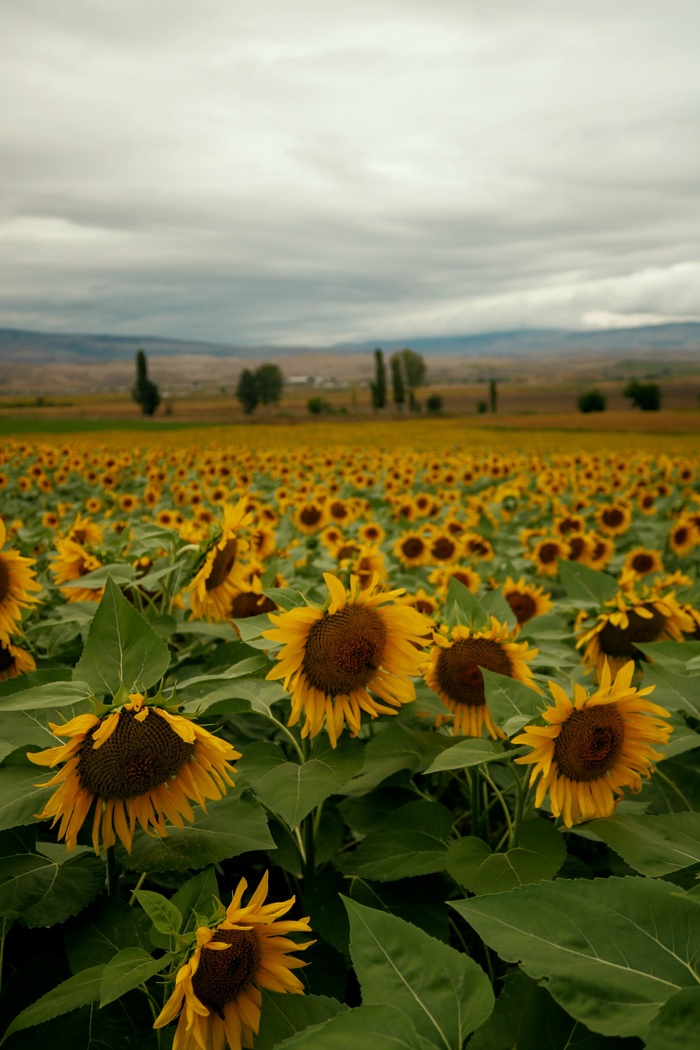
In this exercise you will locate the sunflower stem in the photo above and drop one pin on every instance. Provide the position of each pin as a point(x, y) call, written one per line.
point(142, 878)
point(113, 872)
point(504, 805)
point(290, 736)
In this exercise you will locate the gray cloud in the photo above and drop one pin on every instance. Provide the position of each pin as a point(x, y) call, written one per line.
point(295, 173)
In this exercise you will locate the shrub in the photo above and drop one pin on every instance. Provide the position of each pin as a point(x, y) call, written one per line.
point(646, 396)
point(591, 401)
point(318, 406)
point(434, 403)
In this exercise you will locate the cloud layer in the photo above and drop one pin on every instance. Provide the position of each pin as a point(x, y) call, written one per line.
point(306, 173)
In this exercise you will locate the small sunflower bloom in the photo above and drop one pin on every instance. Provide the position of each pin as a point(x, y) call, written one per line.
point(17, 581)
point(14, 661)
point(139, 763)
point(218, 991)
point(333, 660)
point(454, 673)
point(221, 574)
point(594, 746)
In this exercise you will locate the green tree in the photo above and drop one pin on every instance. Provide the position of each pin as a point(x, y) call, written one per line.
point(591, 401)
point(493, 395)
point(268, 383)
point(398, 385)
point(646, 396)
point(247, 391)
point(144, 392)
point(412, 368)
point(379, 384)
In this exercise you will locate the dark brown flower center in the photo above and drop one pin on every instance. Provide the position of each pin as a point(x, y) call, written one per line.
point(248, 603)
point(642, 563)
point(523, 606)
point(4, 580)
point(680, 535)
point(589, 742)
point(223, 562)
point(619, 641)
point(549, 552)
point(613, 516)
point(344, 649)
point(223, 974)
point(577, 547)
point(413, 547)
point(459, 668)
point(310, 516)
point(443, 549)
point(134, 759)
point(338, 510)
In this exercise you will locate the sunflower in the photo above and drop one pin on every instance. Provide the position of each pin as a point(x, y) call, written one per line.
point(443, 547)
point(454, 672)
point(17, 581)
point(594, 746)
point(683, 537)
point(631, 616)
point(411, 549)
point(137, 763)
point(614, 519)
point(331, 659)
point(526, 599)
point(72, 561)
point(310, 517)
point(220, 577)
point(220, 984)
point(13, 660)
point(643, 560)
point(546, 555)
point(440, 579)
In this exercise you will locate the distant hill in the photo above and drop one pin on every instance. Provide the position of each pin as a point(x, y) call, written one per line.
point(678, 340)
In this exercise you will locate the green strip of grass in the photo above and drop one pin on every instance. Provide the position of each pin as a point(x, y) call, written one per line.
point(33, 425)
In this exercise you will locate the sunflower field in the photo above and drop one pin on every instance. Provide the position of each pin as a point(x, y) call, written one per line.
point(303, 747)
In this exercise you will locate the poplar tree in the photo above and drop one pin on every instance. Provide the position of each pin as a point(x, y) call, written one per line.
point(379, 384)
point(144, 392)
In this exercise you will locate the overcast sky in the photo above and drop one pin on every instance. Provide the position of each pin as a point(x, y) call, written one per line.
point(310, 171)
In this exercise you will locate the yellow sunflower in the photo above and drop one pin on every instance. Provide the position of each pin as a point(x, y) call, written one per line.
point(526, 599)
point(13, 660)
point(454, 673)
point(411, 549)
point(631, 616)
point(594, 746)
point(683, 536)
point(221, 575)
point(643, 560)
point(614, 519)
point(330, 660)
point(220, 985)
point(137, 763)
point(17, 581)
point(440, 579)
point(71, 561)
point(546, 555)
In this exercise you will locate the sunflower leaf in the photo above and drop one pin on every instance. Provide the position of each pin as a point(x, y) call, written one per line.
point(121, 648)
point(284, 1016)
point(652, 845)
point(463, 607)
point(677, 1023)
point(445, 1000)
point(612, 951)
point(42, 697)
point(288, 788)
point(674, 691)
point(164, 915)
point(79, 990)
point(230, 827)
point(128, 969)
point(585, 584)
point(382, 1027)
point(470, 751)
point(512, 703)
point(20, 798)
point(537, 854)
point(411, 841)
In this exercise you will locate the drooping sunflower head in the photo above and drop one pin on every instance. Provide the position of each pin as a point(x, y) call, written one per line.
point(631, 616)
point(220, 575)
point(594, 746)
point(218, 991)
point(14, 661)
point(332, 660)
point(454, 672)
point(17, 581)
point(138, 763)
point(70, 562)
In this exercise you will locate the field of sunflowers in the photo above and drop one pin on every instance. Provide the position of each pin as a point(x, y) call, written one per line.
point(306, 746)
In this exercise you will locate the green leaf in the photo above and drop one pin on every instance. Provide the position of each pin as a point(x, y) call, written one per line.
point(121, 648)
point(585, 584)
point(128, 969)
point(677, 1024)
point(285, 1015)
point(412, 841)
point(443, 992)
point(381, 1027)
point(250, 629)
point(102, 930)
point(54, 694)
point(675, 656)
point(286, 598)
point(463, 607)
point(527, 1017)
point(674, 691)
point(47, 676)
point(471, 752)
point(653, 845)
point(118, 571)
point(20, 798)
point(511, 703)
point(611, 950)
point(164, 915)
point(495, 604)
point(42, 892)
point(390, 750)
point(77, 991)
point(197, 897)
point(538, 853)
point(30, 728)
point(230, 827)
